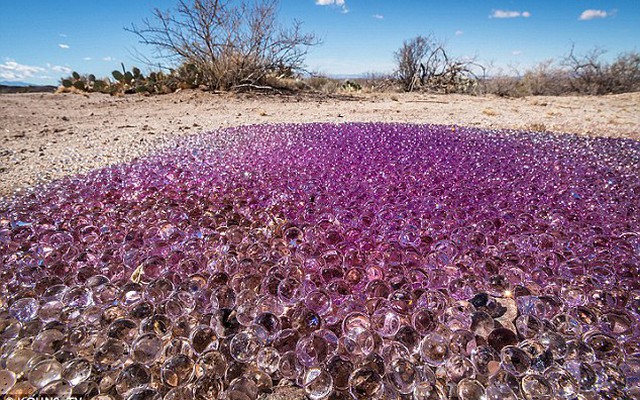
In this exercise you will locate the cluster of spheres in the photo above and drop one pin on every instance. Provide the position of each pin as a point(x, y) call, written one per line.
point(354, 261)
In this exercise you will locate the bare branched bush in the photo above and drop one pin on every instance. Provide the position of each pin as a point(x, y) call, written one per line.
point(543, 79)
point(625, 71)
point(590, 75)
point(376, 83)
point(423, 62)
point(586, 74)
point(587, 71)
point(546, 78)
point(409, 58)
point(456, 76)
point(230, 43)
point(322, 83)
point(502, 85)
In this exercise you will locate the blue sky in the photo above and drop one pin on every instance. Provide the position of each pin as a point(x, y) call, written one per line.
point(42, 40)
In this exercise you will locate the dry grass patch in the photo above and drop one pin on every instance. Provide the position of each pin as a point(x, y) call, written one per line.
point(537, 127)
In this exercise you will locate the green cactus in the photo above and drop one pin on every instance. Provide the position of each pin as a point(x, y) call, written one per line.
point(112, 90)
point(129, 82)
point(99, 86)
point(79, 85)
point(188, 74)
point(350, 85)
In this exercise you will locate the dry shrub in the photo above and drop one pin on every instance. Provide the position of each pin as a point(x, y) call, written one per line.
point(502, 85)
point(409, 58)
point(584, 74)
point(424, 63)
point(287, 84)
point(537, 127)
point(378, 83)
point(323, 84)
point(232, 44)
point(63, 89)
point(544, 79)
point(591, 75)
point(625, 71)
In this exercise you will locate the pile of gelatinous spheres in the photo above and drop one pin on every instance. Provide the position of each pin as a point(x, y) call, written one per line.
point(355, 261)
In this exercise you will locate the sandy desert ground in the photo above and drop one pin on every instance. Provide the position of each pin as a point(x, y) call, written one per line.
point(47, 136)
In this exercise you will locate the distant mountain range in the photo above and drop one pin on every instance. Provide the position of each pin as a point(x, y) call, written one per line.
point(24, 87)
point(19, 84)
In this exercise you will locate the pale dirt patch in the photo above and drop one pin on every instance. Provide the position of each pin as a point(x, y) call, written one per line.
point(47, 136)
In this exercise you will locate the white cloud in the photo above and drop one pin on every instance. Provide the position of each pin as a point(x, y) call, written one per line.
point(509, 14)
point(13, 71)
point(378, 16)
point(459, 32)
point(9, 76)
point(338, 3)
point(108, 58)
point(63, 46)
point(61, 69)
point(87, 58)
point(516, 52)
point(593, 14)
point(63, 35)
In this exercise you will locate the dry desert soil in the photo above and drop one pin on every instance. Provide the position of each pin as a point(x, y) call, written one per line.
point(45, 136)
